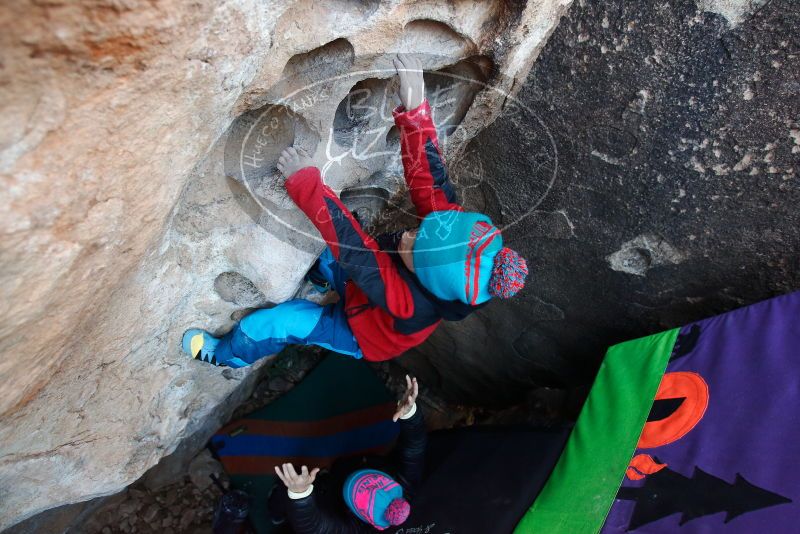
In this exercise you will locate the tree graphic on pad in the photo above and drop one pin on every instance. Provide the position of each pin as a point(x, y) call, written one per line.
point(668, 492)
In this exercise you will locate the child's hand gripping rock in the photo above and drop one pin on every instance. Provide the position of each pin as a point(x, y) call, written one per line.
point(412, 84)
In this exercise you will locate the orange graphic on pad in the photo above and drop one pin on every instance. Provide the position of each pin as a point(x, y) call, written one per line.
point(679, 385)
point(693, 389)
point(643, 465)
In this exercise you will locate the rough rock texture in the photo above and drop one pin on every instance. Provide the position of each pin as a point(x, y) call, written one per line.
point(649, 173)
point(137, 203)
point(178, 492)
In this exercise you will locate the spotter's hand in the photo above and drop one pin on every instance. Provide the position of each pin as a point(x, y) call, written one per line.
point(412, 84)
point(292, 160)
point(409, 398)
point(294, 481)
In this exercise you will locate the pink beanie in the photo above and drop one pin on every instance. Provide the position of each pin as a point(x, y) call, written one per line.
point(376, 498)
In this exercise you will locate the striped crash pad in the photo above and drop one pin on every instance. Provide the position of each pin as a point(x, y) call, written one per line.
point(341, 408)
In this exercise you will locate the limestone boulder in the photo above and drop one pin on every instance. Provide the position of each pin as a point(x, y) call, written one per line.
point(137, 150)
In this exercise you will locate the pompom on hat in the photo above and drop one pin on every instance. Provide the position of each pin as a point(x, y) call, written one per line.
point(508, 274)
point(397, 512)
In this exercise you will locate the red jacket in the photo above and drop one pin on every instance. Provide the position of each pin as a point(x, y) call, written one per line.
point(386, 306)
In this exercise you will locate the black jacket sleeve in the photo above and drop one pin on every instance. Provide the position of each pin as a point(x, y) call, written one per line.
point(307, 517)
point(411, 451)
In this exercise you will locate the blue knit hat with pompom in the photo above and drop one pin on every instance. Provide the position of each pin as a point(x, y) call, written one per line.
point(460, 256)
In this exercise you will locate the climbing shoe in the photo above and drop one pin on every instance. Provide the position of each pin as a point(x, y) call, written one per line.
point(200, 345)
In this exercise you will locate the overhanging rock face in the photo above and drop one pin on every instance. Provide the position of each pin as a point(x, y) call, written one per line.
point(676, 195)
point(126, 219)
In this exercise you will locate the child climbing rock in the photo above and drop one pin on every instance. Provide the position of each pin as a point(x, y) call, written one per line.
point(394, 291)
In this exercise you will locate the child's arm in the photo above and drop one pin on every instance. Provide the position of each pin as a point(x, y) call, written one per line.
point(413, 437)
point(359, 255)
point(425, 172)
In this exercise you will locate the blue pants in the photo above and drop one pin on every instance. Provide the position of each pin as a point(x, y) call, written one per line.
point(295, 322)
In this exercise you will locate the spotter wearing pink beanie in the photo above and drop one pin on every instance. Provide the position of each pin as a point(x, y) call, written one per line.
point(376, 498)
